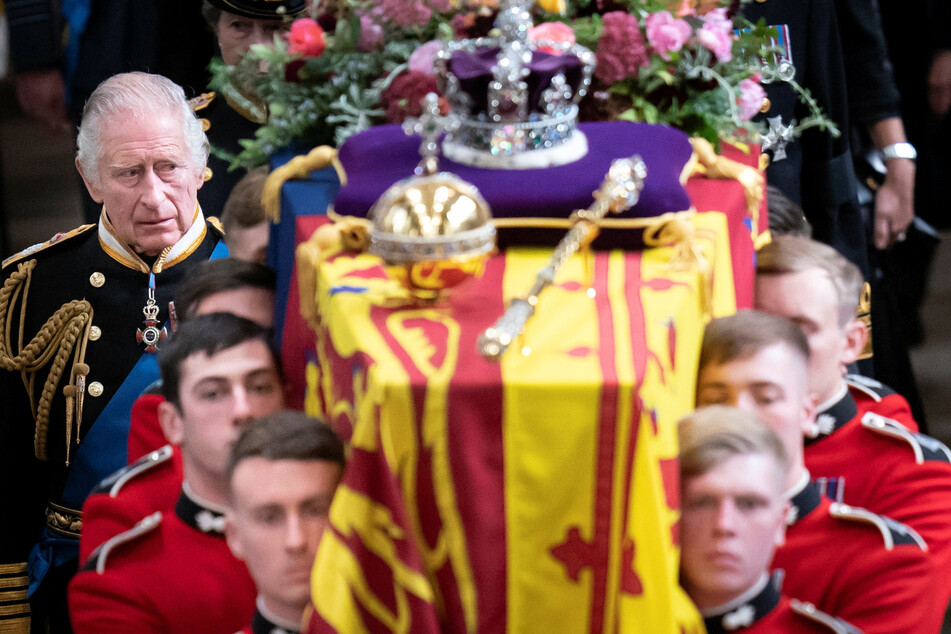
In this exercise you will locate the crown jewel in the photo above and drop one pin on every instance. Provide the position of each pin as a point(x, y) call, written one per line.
point(516, 103)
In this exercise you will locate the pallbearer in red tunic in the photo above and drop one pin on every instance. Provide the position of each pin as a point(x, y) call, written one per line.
point(173, 572)
point(283, 472)
point(733, 473)
point(864, 449)
point(153, 479)
point(847, 561)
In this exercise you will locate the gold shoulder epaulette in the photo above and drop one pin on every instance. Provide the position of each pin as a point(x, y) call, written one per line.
point(216, 223)
point(57, 239)
point(113, 484)
point(893, 533)
point(201, 101)
point(811, 612)
point(97, 560)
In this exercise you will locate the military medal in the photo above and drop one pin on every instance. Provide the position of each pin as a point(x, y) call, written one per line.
point(151, 334)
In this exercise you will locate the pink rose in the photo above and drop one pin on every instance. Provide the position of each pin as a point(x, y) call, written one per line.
point(751, 98)
point(421, 61)
point(557, 32)
point(719, 43)
point(371, 35)
point(306, 37)
point(718, 20)
point(717, 34)
point(666, 33)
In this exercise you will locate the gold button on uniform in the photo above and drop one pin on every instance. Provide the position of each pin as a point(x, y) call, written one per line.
point(95, 333)
point(767, 104)
point(95, 388)
point(97, 279)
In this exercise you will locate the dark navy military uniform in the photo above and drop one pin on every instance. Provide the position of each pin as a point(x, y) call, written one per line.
point(225, 124)
point(75, 304)
point(818, 173)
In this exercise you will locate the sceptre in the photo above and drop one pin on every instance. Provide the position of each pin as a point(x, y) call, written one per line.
point(620, 191)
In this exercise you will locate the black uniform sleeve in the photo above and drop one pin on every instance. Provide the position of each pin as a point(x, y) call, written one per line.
point(873, 95)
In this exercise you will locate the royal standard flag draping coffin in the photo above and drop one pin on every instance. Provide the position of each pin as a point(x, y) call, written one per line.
point(538, 494)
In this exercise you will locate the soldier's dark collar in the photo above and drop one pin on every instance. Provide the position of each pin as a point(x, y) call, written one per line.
point(264, 622)
point(199, 514)
point(747, 609)
point(804, 502)
point(834, 415)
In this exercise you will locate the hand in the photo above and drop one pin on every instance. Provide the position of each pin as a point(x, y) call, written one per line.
point(42, 95)
point(939, 83)
point(894, 203)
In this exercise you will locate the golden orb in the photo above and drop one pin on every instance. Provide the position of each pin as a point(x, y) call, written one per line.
point(432, 232)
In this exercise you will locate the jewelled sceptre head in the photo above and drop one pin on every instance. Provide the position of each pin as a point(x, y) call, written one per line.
point(620, 190)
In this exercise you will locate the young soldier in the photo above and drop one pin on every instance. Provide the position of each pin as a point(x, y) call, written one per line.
point(282, 473)
point(732, 476)
point(847, 561)
point(173, 571)
point(247, 230)
point(865, 450)
point(153, 478)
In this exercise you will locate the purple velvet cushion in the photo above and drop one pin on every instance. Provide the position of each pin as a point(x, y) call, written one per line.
point(379, 157)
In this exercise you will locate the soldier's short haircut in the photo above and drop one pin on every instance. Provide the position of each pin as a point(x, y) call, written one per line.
point(709, 436)
point(287, 435)
point(786, 218)
point(217, 276)
point(140, 96)
point(207, 334)
point(742, 335)
point(244, 208)
point(792, 254)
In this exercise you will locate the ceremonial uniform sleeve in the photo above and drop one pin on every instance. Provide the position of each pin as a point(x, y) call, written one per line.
point(21, 500)
point(828, 176)
point(873, 95)
point(111, 603)
point(104, 517)
point(894, 592)
point(35, 34)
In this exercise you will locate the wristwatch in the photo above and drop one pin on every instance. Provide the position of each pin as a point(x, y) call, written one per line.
point(899, 150)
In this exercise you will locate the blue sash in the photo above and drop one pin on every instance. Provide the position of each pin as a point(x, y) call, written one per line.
point(103, 451)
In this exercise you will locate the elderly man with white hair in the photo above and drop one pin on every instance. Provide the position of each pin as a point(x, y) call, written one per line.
point(81, 317)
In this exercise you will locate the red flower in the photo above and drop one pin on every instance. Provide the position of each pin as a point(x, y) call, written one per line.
point(405, 94)
point(306, 37)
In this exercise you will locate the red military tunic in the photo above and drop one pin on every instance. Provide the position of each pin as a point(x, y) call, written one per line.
point(769, 612)
point(867, 459)
point(172, 573)
point(862, 567)
point(145, 432)
point(150, 484)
